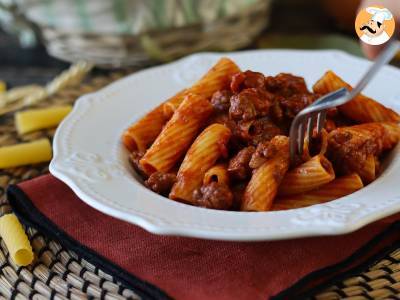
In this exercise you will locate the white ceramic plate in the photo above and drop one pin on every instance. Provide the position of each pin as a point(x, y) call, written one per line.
point(89, 156)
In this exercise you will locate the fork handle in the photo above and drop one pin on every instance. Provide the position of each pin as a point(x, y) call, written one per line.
point(385, 57)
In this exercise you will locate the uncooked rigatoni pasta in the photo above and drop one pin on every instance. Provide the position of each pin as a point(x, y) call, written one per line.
point(16, 240)
point(37, 119)
point(25, 153)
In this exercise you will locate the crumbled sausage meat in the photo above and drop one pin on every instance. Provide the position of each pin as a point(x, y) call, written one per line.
point(238, 191)
point(213, 195)
point(249, 104)
point(134, 159)
point(221, 100)
point(255, 131)
point(237, 82)
point(223, 119)
point(238, 167)
point(264, 151)
point(161, 183)
point(286, 85)
point(248, 79)
point(349, 147)
point(292, 105)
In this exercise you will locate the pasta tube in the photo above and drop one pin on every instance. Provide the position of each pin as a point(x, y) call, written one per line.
point(202, 155)
point(177, 134)
point(25, 154)
point(337, 188)
point(217, 173)
point(217, 78)
point(350, 148)
point(362, 108)
point(392, 134)
point(36, 119)
point(3, 87)
point(308, 176)
point(16, 240)
point(263, 186)
point(143, 133)
point(368, 171)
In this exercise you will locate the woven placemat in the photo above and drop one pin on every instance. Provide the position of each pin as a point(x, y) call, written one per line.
point(61, 274)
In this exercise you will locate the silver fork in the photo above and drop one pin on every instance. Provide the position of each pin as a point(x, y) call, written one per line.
point(305, 120)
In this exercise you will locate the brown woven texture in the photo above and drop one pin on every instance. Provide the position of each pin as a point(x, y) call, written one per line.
point(226, 34)
point(60, 271)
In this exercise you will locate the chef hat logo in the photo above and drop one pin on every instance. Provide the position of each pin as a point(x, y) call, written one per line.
point(375, 25)
point(379, 14)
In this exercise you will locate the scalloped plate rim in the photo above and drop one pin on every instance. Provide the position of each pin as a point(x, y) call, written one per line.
point(167, 229)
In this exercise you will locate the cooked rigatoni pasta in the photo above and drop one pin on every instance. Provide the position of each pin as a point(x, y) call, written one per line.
point(308, 176)
point(142, 134)
point(177, 135)
point(340, 187)
point(350, 147)
point(217, 173)
point(217, 78)
point(241, 160)
point(369, 169)
point(362, 108)
point(16, 240)
point(263, 186)
point(392, 134)
point(172, 103)
point(202, 155)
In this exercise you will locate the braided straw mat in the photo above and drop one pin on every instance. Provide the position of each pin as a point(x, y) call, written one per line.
point(61, 274)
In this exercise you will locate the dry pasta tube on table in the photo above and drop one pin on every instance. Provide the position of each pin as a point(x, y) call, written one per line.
point(362, 108)
point(340, 187)
point(177, 135)
point(202, 155)
point(25, 153)
point(36, 119)
point(16, 240)
point(308, 176)
point(3, 86)
point(217, 78)
point(263, 185)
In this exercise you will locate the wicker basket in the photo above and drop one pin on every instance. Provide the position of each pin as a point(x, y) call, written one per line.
point(143, 32)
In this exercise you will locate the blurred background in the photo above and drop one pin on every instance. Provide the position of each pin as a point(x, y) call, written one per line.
point(38, 38)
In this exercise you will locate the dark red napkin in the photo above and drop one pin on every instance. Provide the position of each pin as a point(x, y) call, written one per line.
point(186, 268)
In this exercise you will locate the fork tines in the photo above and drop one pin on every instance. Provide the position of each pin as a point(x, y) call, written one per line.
point(315, 114)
